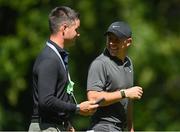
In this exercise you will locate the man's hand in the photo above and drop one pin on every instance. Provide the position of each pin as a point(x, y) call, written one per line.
point(134, 92)
point(88, 108)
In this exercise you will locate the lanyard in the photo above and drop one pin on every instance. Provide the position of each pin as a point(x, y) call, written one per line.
point(71, 83)
point(55, 50)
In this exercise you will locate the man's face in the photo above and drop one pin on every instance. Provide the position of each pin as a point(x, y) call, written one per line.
point(114, 44)
point(71, 31)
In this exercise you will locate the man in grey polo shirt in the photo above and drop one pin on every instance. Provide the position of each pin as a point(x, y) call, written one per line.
point(111, 77)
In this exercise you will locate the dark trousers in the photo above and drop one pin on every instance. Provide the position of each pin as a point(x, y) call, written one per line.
point(106, 126)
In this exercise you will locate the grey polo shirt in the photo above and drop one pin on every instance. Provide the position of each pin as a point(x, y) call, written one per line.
point(107, 73)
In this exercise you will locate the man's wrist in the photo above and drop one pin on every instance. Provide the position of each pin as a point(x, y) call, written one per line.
point(123, 94)
point(77, 108)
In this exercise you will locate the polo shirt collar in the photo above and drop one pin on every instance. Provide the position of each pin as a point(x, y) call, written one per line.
point(60, 50)
point(64, 54)
point(114, 58)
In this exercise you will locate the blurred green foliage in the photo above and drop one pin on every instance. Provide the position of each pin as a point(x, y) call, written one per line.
point(155, 53)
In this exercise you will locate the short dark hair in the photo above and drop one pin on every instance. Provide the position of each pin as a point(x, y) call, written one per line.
point(59, 15)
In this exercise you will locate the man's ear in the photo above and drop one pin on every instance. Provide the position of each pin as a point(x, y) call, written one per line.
point(129, 40)
point(63, 28)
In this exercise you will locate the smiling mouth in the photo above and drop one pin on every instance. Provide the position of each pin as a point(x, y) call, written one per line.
point(113, 52)
point(113, 48)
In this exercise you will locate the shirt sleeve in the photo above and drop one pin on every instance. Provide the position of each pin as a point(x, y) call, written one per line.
point(96, 76)
point(47, 81)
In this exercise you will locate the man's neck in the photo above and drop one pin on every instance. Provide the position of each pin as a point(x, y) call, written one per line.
point(58, 40)
point(122, 55)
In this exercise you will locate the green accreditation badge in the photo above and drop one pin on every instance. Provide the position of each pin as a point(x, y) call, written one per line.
point(70, 90)
point(70, 87)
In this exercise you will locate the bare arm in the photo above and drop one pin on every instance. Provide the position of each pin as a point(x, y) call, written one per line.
point(110, 97)
point(113, 97)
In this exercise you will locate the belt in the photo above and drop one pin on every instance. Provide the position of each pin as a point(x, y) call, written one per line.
point(118, 124)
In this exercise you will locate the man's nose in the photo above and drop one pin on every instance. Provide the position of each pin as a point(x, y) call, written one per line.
point(113, 44)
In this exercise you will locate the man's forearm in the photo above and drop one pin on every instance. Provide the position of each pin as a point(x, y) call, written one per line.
point(110, 97)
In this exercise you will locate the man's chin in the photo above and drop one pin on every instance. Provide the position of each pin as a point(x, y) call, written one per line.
point(113, 53)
